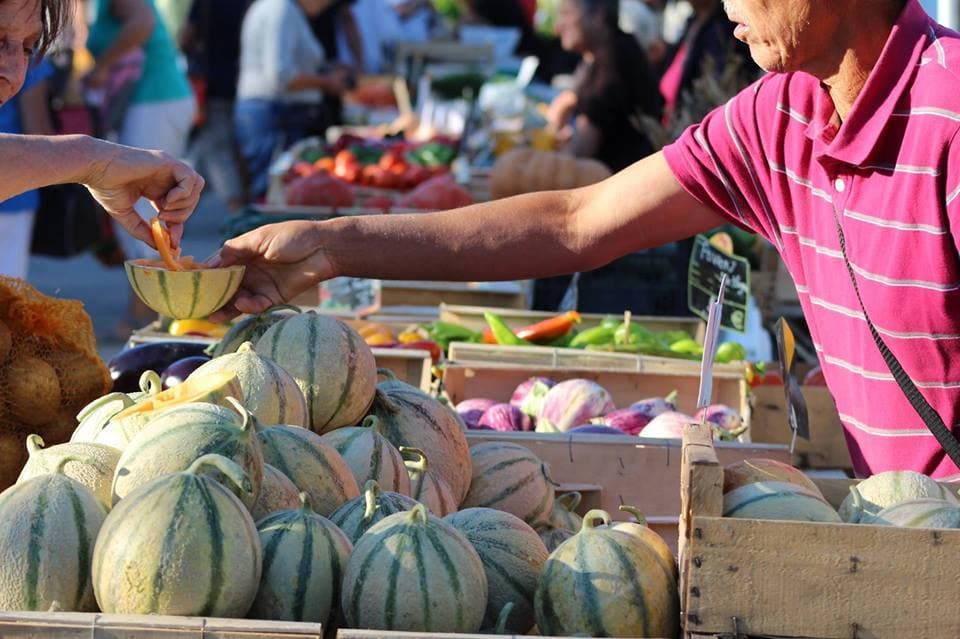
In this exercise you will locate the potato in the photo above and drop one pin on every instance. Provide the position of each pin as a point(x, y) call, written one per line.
point(32, 390)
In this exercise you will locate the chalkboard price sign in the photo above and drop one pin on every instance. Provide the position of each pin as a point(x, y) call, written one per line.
point(707, 266)
point(350, 296)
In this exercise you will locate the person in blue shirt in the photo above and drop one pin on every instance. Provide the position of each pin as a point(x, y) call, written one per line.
point(25, 113)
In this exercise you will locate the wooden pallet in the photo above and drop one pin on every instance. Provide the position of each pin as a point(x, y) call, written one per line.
point(746, 577)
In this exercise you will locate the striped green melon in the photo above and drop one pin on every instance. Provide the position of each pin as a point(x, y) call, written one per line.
point(218, 388)
point(414, 572)
point(563, 514)
point(920, 513)
point(886, 489)
point(426, 486)
point(413, 418)
point(370, 455)
point(277, 492)
point(357, 515)
point(304, 557)
point(311, 465)
point(777, 500)
point(605, 583)
point(639, 529)
point(331, 363)
point(509, 477)
point(251, 328)
point(748, 471)
point(182, 544)
point(513, 556)
point(188, 294)
point(553, 537)
point(50, 524)
point(92, 465)
point(181, 435)
point(269, 392)
point(94, 417)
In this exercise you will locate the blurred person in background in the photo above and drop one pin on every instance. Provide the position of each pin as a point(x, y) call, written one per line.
point(383, 23)
point(174, 15)
point(161, 107)
point(599, 117)
point(335, 25)
point(281, 83)
point(27, 112)
point(211, 40)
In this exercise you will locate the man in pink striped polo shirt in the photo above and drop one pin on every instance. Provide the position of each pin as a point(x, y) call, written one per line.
point(854, 122)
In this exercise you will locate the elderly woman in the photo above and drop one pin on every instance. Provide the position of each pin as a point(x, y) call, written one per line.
point(117, 176)
point(844, 156)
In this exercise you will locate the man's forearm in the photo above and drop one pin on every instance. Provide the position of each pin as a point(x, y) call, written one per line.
point(521, 237)
point(31, 161)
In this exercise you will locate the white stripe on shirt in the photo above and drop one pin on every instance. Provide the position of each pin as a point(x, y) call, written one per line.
point(891, 224)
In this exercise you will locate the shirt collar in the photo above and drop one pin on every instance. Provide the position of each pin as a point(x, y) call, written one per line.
point(853, 142)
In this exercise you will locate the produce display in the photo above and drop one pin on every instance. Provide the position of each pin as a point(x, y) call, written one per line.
point(883, 490)
point(370, 455)
point(527, 170)
point(426, 486)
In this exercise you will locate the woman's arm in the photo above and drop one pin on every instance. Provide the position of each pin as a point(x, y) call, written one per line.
point(137, 22)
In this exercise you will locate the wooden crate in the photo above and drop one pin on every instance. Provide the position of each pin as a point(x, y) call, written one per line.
point(472, 318)
point(625, 470)
point(497, 294)
point(827, 447)
point(467, 380)
point(747, 577)
point(76, 625)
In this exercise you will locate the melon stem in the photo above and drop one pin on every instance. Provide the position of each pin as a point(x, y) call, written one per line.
point(633, 510)
point(570, 501)
point(231, 469)
point(419, 465)
point(305, 505)
point(589, 520)
point(34, 444)
point(419, 515)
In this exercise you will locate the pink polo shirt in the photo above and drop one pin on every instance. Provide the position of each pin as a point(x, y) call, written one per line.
point(771, 161)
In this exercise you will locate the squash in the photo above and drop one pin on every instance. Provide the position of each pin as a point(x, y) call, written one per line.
point(527, 171)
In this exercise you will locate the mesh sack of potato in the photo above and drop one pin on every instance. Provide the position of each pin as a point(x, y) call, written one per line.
point(49, 370)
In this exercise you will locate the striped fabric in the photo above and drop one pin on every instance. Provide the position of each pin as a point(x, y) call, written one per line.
point(773, 160)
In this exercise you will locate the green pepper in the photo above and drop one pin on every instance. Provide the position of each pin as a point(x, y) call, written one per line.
point(561, 342)
point(687, 346)
point(502, 333)
point(445, 332)
point(637, 334)
point(730, 352)
point(611, 321)
point(595, 336)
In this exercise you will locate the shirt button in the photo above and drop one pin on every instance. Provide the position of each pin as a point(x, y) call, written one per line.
point(839, 185)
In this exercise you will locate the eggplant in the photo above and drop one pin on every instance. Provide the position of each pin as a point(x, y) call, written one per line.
point(176, 373)
point(595, 429)
point(128, 365)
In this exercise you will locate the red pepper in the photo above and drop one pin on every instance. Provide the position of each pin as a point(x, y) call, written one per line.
point(542, 332)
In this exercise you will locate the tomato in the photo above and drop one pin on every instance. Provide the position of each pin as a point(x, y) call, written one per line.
point(345, 157)
point(389, 160)
point(325, 164)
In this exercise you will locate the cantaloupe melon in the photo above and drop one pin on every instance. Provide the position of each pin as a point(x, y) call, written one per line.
point(180, 435)
point(46, 541)
point(920, 513)
point(182, 544)
point(251, 328)
point(95, 416)
point(333, 366)
point(370, 455)
point(513, 556)
point(747, 471)
point(304, 558)
point(563, 514)
point(269, 392)
point(189, 294)
point(777, 500)
point(553, 537)
point(639, 529)
point(603, 582)
point(314, 467)
point(410, 417)
point(426, 486)
point(277, 492)
point(357, 515)
point(886, 489)
point(509, 477)
point(92, 465)
point(414, 572)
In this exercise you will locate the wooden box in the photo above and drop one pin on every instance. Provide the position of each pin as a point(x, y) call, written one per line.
point(514, 294)
point(613, 470)
point(827, 448)
point(77, 625)
point(746, 577)
point(472, 318)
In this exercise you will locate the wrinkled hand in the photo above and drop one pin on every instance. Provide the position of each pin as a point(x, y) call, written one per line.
point(127, 174)
point(281, 260)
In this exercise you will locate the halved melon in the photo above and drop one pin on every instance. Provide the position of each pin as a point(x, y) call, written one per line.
point(192, 292)
point(213, 388)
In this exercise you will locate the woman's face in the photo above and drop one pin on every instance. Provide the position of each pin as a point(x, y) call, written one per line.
point(20, 28)
point(577, 29)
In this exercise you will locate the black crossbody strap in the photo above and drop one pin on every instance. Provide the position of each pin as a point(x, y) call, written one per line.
point(948, 441)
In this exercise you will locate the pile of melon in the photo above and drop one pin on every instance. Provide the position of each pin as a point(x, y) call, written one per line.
point(282, 481)
point(768, 489)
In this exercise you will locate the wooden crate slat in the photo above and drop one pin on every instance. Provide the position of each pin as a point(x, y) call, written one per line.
point(412, 367)
point(70, 625)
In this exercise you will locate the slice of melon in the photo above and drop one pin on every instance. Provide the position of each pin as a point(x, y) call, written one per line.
point(169, 255)
point(214, 388)
point(193, 292)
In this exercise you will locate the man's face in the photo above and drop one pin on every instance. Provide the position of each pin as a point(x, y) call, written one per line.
point(784, 35)
point(20, 28)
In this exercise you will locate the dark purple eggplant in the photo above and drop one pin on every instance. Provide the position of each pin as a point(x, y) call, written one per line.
point(595, 429)
point(127, 366)
point(180, 370)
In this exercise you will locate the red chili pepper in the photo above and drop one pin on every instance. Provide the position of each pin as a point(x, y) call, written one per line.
point(542, 332)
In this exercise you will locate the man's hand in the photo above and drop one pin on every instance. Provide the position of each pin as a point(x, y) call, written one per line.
point(126, 174)
point(281, 260)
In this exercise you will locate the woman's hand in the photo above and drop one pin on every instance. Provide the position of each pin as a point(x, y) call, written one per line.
point(126, 174)
point(281, 260)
